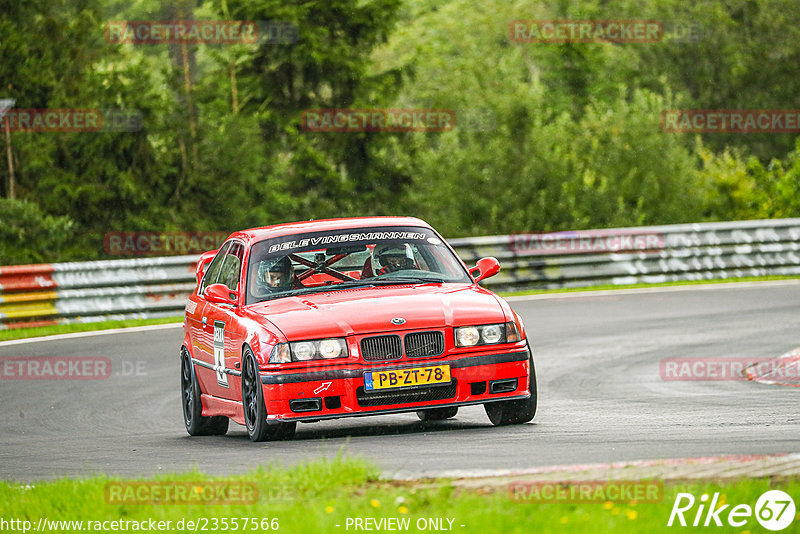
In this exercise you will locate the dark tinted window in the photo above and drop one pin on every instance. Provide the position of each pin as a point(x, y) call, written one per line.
point(320, 261)
point(231, 266)
point(212, 272)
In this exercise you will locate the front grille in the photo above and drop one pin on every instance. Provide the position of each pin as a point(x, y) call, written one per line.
point(422, 344)
point(430, 393)
point(381, 348)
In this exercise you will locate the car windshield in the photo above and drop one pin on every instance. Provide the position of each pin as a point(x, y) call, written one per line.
point(340, 259)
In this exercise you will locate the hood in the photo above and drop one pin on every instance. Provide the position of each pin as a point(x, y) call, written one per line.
point(371, 310)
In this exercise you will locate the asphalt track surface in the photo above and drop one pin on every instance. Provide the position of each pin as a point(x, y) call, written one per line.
point(601, 397)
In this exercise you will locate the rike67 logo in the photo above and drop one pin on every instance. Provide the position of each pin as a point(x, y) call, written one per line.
point(774, 510)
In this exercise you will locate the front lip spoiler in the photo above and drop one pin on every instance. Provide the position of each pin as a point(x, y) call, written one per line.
point(312, 418)
point(343, 374)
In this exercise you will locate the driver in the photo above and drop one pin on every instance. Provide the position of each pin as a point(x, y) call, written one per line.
point(391, 258)
point(274, 276)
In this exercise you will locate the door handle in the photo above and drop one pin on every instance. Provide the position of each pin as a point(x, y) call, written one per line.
point(205, 321)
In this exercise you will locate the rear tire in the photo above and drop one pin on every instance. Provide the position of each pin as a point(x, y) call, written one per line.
point(437, 414)
point(196, 423)
point(255, 412)
point(517, 411)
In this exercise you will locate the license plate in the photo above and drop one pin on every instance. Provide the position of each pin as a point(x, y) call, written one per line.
point(401, 378)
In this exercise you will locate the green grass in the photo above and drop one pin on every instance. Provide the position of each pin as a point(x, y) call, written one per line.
point(316, 497)
point(642, 285)
point(20, 333)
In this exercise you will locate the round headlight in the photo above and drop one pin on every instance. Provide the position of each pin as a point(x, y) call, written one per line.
point(303, 351)
point(467, 336)
point(492, 333)
point(330, 348)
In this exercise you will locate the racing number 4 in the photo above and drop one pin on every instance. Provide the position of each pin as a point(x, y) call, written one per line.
point(219, 353)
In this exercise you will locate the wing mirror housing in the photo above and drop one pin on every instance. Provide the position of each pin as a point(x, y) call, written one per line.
point(202, 263)
point(485, 268)
point(220, 294)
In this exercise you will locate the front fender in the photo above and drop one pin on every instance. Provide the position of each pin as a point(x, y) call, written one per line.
point(187, 340)
point(261, 342)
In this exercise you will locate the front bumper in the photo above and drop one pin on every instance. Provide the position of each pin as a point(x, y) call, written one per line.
point(334, 392)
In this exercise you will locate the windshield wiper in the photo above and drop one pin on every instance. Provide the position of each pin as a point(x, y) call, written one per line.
point(406, 280)
point(367, 282)
point(320, 289)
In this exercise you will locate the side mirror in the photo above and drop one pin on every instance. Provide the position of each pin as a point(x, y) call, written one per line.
point(220, 294)
point(485, 268)
point(202, 263)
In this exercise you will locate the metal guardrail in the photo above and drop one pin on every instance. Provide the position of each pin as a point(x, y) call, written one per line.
point(701, 251)
point(155, 287)
point(38, 295)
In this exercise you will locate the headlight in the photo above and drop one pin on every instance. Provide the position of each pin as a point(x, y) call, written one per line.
point(490, 334)
point(331, 348)
point(303, 351)
point(467, 336)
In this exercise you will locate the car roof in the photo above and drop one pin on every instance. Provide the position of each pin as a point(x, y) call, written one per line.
point(322, 225)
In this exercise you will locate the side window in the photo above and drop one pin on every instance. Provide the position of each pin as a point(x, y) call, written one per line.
point(212, 272)
point(231, 266)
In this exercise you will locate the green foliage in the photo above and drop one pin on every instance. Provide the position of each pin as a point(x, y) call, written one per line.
point(326, 68)
point(22, 224)
point(722, 55)
point(575, 141)
point(746, 189)
point(546, 156)
point(612, 167)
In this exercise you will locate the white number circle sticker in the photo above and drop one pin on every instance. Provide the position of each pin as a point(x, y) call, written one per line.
point(775, 510)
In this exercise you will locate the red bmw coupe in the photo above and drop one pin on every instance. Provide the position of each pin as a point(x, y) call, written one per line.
point(347, 317)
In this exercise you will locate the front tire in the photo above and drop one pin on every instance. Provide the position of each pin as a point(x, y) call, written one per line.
point(517, 411)
point(255, 412)
point(437, 414)
point(196, 423)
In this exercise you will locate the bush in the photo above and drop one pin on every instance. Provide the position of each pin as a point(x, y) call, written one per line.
point(29, 236)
